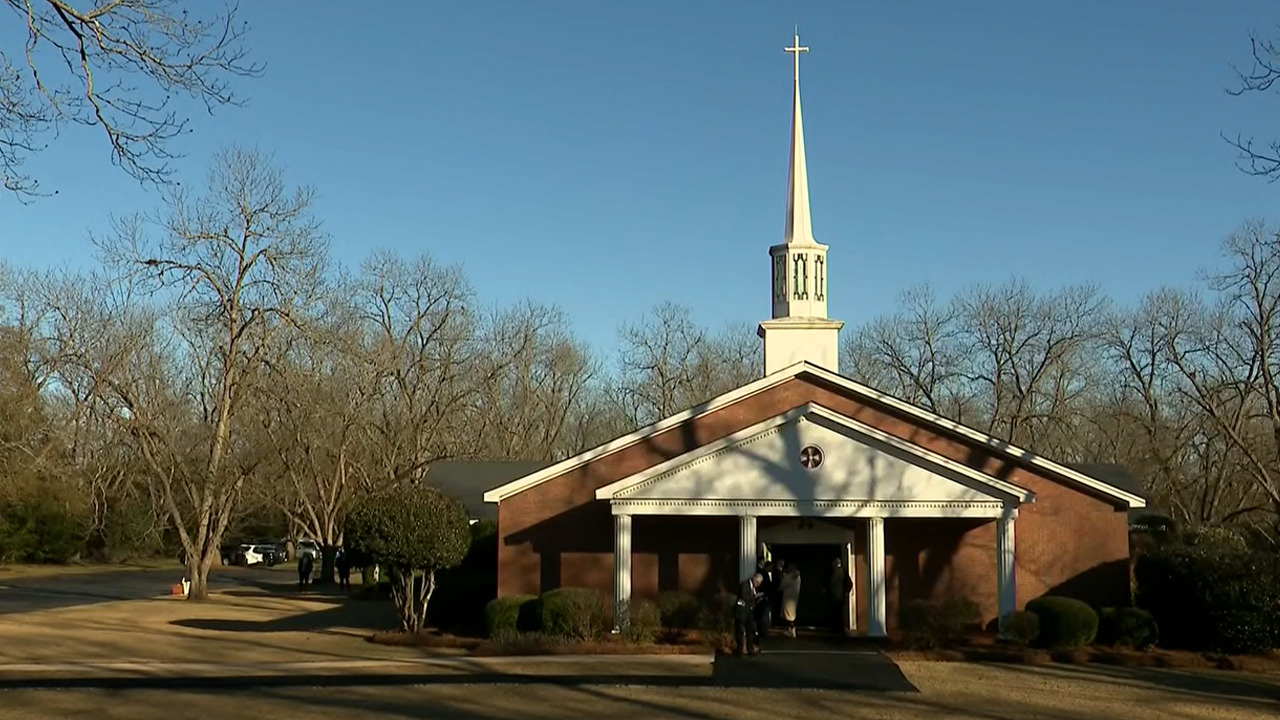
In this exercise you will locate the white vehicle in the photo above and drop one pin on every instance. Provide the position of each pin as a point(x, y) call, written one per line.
point(251, 554)
point(308, 547)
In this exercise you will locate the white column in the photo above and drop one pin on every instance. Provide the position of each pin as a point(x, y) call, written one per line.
point(851, 602)
point(1006, 570)
point(621, 568)
point(878, 622)
point(747, 546)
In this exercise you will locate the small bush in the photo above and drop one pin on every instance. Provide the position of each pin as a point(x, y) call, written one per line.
point(1022, 627)
point(716, 620)
point(574, 613)
point(511, 614)
point(1127, 626)
point(644, 621)
point(930, 624)
point(679, 610)
point(1065, 623)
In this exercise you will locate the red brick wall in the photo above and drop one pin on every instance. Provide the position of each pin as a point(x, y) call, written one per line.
point(557, 535)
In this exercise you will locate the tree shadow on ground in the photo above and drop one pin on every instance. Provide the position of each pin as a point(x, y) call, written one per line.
point(373, 616)
point(1253, 692)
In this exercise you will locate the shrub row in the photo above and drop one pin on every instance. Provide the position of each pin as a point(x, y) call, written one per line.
point(584, 614)
point(933, 624)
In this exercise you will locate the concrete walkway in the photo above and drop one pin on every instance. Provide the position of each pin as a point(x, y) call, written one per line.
point(813, 662)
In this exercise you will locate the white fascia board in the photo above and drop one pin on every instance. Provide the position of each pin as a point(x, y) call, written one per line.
point(503, 492)
point(1000, 446)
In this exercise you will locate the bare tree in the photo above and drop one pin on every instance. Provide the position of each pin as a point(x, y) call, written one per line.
point(418, 334)
point(1024, 358)
point(528, 383)
point(913, 354)
point(1146, 421)
point(1260, 159)
point(309, 417)
point(668, 363)
point(1227, 354)
point(118, 65)
point(232, 267)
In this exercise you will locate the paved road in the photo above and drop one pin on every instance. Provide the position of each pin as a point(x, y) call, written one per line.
point(18, 595)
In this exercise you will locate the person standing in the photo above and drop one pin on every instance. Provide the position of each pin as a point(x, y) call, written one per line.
point(790, 591)
point(343, 564)
point(305, 566)
point(746, 639)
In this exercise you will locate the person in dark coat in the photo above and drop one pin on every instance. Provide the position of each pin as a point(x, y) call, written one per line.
point(744, 616)
point(343, 564)
point(305, 566)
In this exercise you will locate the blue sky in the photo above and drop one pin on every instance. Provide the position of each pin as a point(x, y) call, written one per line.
point(606, 156)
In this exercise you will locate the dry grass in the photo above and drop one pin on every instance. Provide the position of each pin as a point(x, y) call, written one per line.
point(1124, 657)
point(526, 644)
point(9, 572)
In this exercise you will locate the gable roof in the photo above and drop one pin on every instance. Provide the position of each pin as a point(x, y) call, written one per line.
point(852, 388)
point(927, 457)
point(468, 480)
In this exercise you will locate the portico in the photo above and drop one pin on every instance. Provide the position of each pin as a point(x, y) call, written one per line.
point(813, 462)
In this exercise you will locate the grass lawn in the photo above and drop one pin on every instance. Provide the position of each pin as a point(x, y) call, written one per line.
point(9, 572)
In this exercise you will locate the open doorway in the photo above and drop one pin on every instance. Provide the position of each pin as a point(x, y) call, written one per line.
point(814, 545)
point(814, 609)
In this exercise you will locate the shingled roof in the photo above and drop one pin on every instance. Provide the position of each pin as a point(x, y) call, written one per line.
point(469, 480)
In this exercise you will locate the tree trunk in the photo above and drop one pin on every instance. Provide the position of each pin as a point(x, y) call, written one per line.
point(198, 574)
point(328, 558)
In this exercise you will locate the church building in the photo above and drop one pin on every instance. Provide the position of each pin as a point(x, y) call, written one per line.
point(811, 467)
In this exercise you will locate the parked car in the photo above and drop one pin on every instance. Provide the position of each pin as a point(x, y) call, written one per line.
point(309, 547)
point(267, 553)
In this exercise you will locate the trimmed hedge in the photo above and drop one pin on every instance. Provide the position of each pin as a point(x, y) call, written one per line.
point(932, 624)
point(717, 615)
point(574, 613)
point(644, 622)
point(1022, 627)
point(1065, 623)
point(1127, 626)
point(511, 614)
point(679, 610)
point(1212, 595)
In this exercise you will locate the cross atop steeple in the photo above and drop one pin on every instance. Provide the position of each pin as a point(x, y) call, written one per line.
point(796, 49)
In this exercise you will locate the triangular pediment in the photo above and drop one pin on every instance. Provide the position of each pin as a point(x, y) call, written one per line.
point(773, 461)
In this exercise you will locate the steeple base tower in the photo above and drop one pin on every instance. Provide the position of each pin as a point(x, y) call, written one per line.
point(789, 340)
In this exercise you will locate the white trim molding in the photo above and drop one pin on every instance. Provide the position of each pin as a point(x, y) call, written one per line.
point(813, 508)
point(849, 387)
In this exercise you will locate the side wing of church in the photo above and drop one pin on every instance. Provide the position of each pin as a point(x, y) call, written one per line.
point(813, 468)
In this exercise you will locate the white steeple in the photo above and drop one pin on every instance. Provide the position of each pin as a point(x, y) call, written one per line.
point(800, 329)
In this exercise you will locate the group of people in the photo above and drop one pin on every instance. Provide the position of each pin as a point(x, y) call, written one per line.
point(773, 591)
point(306, 568)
